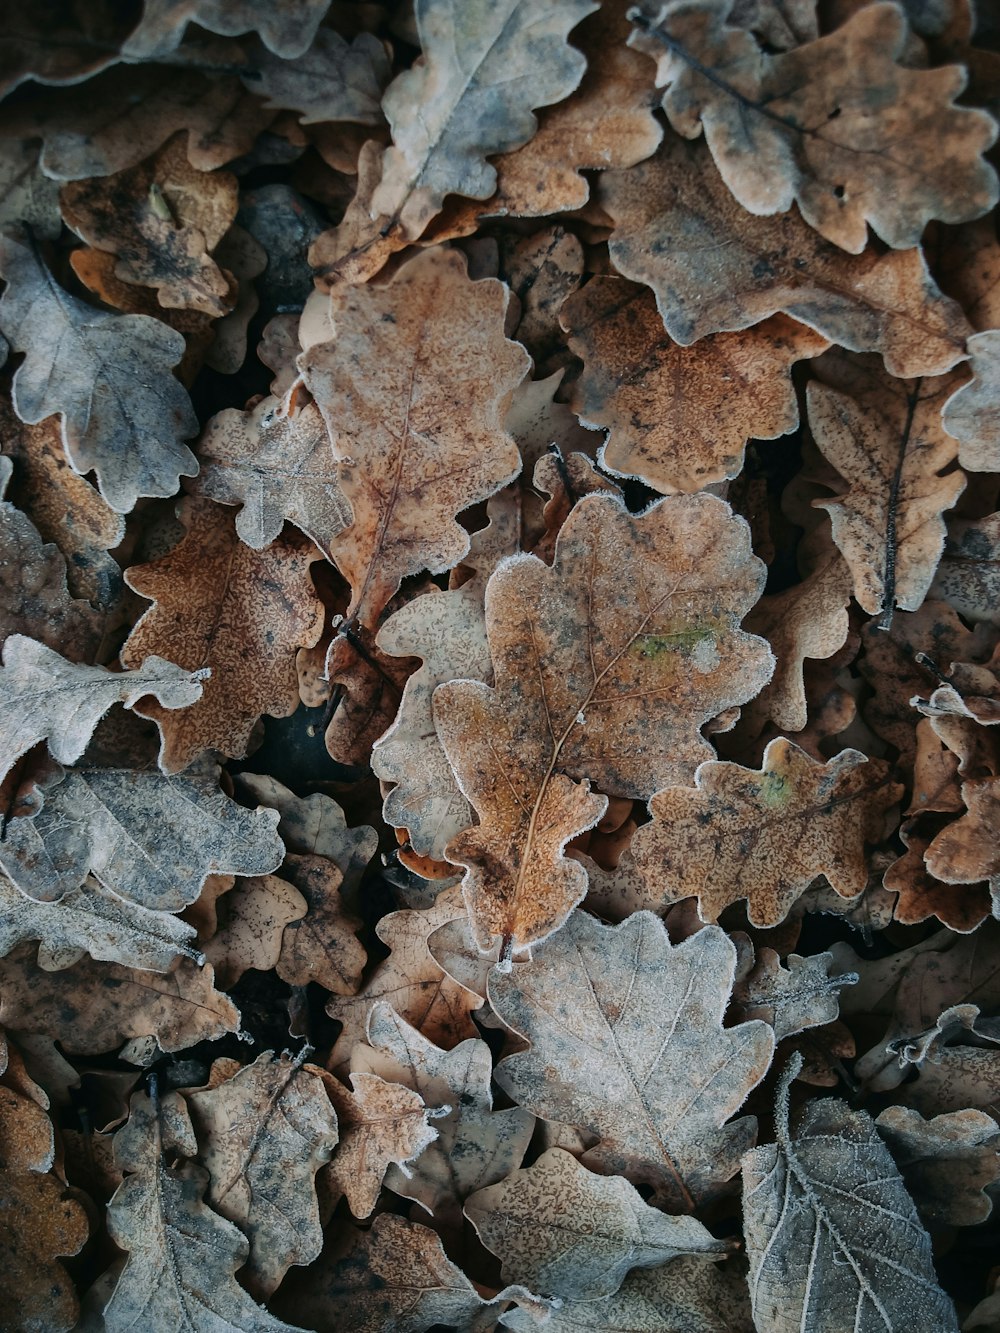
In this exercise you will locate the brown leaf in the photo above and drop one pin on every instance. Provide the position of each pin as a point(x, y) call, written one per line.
point(369, 685)
point(287, 28)
point(947, 1163)
point(123, 412)
point(591, 1003)
point(56, 45)
point(40, 1219)
point(835, 125)
point(575, 648)
point(322, 946)
point(414, 390)
point(715, 268)
point(670, 411)
point(252, 921)
point(263, 1135)
point(968, 577)
point(885, 438)
point(791, 999)
point(922, 894)
point(277, 461)
point(969, 849)
point(766, 835)
point(161, 219)
point(381, 1124)
point(236, 611)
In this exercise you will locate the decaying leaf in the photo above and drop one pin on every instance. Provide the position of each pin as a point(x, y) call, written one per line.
point(251, 923)
point(263, 1135)
point(791, 999)
point(832, 1235)
point(969, 574)
point(40, 1220)
point(591, 1003)
point(765, 835)
point(123, 412)
point(947, 1163)
point(321, 946)
point(238, 612)
point(588, 670)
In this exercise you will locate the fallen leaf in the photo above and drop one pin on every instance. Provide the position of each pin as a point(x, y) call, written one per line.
point(574, 648)
point(968, 577)
point(252, 921)
point(123, 412)
point(40, 1220)
point(239, 612)
point(791, 999)
point(591, 1003)
point(334, 80)
point(947, 1163)
point(968, 850)
point(322, 946)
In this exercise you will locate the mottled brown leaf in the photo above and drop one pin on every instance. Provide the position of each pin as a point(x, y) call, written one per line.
point(251, 924)
point(947, 1163)
point(40, 1220)
point(968, 577)
point(791, 999)
point(322, 946)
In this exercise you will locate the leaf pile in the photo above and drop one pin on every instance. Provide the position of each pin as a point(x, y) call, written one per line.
point(500, 683)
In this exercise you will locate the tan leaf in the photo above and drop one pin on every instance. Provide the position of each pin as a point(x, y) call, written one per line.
point(835, 125)
point(673, 414)
point(322, 946)
point(791, 999)
point(543, 270)
point(367, 685)
point(252, 921)
point(240, 612)
point(565, 480)
point(969, 849)
point(922, 894)
point(161, 219)
point(414, 390)
point(484, 67)
point(765, 835)
point(46, 698)
point(381, 1124)
point(956, 1060)
point(181, 1254)
point(475, 1144)
point(263, 1135)
point(947, 1163)
point(715, 268)
point(589, 668)
point(970, 414)
point(123, 412)
point(151, 839)
point(40, 1220)
point(809, 1206)
point(59, 46)
point(411, 982)
point(591, 1003)
point(565, 1232)
point(277, 461)
point(885, 438)
point(94, 1007)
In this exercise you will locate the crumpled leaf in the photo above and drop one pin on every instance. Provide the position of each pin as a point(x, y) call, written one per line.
point(591, 1003)
point(240, 613)
point(92, 919)
point(151, 839)
point(835, 125)
point(262, 1136)
point(670, 411)
point(715, 268)
point(791, 999)
point(381, 1124)
point(475, 1144)
point(947, 1163)
point(123, 412)
point(181, 1254)
point(414, 389)
point(277, 461)
point(563, 1231)
point(832, 1235)
point(765, 835)
point(575, 651)
point(40, 1220)
point(46, 698)
point(485, 66)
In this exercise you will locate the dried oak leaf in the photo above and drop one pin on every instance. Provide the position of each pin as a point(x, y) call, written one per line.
point(414, 389)
point(596, 678)
point(679, 418)
point(956, 1060)
point(563, 1231)
point(921, 894)
point(40, 1220)
point(475, 1145)
point(28, 198)
point(93, 920)
point(367, 685)
point(715, 268)
point(765, 835)
point(833, 1238)
point(968, 577)
point(63, 506)
point(276, 461)
point(791, 999)
point(251, 924)
point(161, 219)
point(947, 1163)
point(107, 375)
point(45, 698)
point(149, 838)
point(884, 436)
point(53, 44)
point(262, 1136)
point(335, 80)
point(288, 27)
point(322, 946)
point(239, 612)
point(969, 416)
point(835, 125)
point(94, 1007)
point(485, 65)
point(382, 1124)
point(181, 1255)
point(591, 1003)
point(968, 850)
